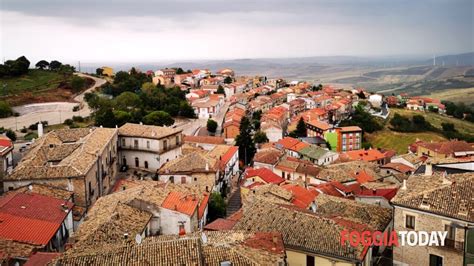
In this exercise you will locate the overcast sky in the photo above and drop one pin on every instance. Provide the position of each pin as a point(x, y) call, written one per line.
point(141, 30)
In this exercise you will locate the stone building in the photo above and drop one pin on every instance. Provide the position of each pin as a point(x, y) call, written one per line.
point(437, 202)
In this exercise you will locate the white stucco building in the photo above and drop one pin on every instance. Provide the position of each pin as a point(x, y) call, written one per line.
point(148, 147)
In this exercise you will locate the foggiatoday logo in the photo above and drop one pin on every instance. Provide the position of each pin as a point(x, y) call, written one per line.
point(393, 238)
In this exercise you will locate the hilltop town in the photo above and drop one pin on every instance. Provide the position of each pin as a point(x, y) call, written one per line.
point(194, 167)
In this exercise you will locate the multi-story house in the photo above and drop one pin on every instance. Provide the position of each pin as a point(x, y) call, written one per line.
point(436, 202)
point(6, 156)
point(80, 160)
point(148, 147)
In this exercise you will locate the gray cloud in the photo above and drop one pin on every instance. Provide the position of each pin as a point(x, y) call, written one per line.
point(240, 28)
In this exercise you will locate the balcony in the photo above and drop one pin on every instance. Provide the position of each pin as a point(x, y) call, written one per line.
point(457, 246)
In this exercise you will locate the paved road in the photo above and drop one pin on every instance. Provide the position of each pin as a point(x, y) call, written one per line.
point(193, 125)
point(54, 113)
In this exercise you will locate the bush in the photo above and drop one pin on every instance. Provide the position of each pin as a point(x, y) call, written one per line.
point(5, 109)
point(68, 122)
point(211, 126)
point(79, 119)
point(24, 130)
point(75, 108)
point(35, 126)
point(217, 207)
point(11, 134)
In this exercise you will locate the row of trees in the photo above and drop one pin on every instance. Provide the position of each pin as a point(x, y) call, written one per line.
point(404, 124)
point(14, 68)
point(459, 110)
point(21, 65)
point(139, 100)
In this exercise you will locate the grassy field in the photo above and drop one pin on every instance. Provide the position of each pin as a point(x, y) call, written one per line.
point(456, 95)
point(399, 141)
point(436, 120)
point(36, 80)
point(35, 87)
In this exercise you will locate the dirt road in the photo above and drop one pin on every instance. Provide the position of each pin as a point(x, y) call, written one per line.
point(54, 112)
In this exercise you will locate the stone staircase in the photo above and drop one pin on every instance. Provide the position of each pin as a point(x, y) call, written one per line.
point(235, 202)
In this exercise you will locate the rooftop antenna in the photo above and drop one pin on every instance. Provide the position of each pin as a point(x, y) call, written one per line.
point(138, 239)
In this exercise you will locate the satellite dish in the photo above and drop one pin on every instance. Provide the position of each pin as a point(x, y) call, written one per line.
point(138, 239)
point(203, 238)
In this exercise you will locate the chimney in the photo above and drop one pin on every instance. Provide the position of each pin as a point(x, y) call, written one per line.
point(40, 130)
point(125, 236)
point(446, 181)
point(275, 239)
point(428, 169)
point(404, 187)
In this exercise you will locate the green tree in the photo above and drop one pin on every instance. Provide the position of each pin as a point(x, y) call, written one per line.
point(5, 109)
point(17, 67)
point(245, 141)
point(43, 64)
point(122, 117)
point(179, 71)
point(77, 83)
point(55, 65)
point(105, 117)
point(99, 71)
point(220, 90)
point(11, 134)
point(127, 100)
point(228, 80)
point(301, 130)
point(186, 110)
point(217, 207)
point(148, 88)
point(448, 127)
point(211, 126)
point(260, 137)
point(158, 118)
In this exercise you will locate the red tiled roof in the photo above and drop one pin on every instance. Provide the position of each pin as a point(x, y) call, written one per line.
point(447, 147)
point(265, 174)
point(387, 193)
point(37, 206)
point(365, 155)
point(319, 124)
point(220, 224)
point(266, 241)
point(236, 216)
point(180, 202)
point(5, 142)
point(288, 142)
point(302, 197)
point(41, 258)
point(402, 168)
point(202, 206)
point(26, 230)
point(204, 139)
point(328, 189)
point(350, 129)
point(228, 155)
point(363, 177)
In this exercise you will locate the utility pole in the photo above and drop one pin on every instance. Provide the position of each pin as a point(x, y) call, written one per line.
point(79, 67)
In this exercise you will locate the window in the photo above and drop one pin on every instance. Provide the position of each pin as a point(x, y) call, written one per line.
point(165, 145)
point(183, 180)
point(146, 164)
point(410, 222)
point(135, 144)
point(451, 237)
point(436, 260)
point(177, 140)
point(123, 142)
point(147, 144)
point(137, 162)
point(309, 260)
